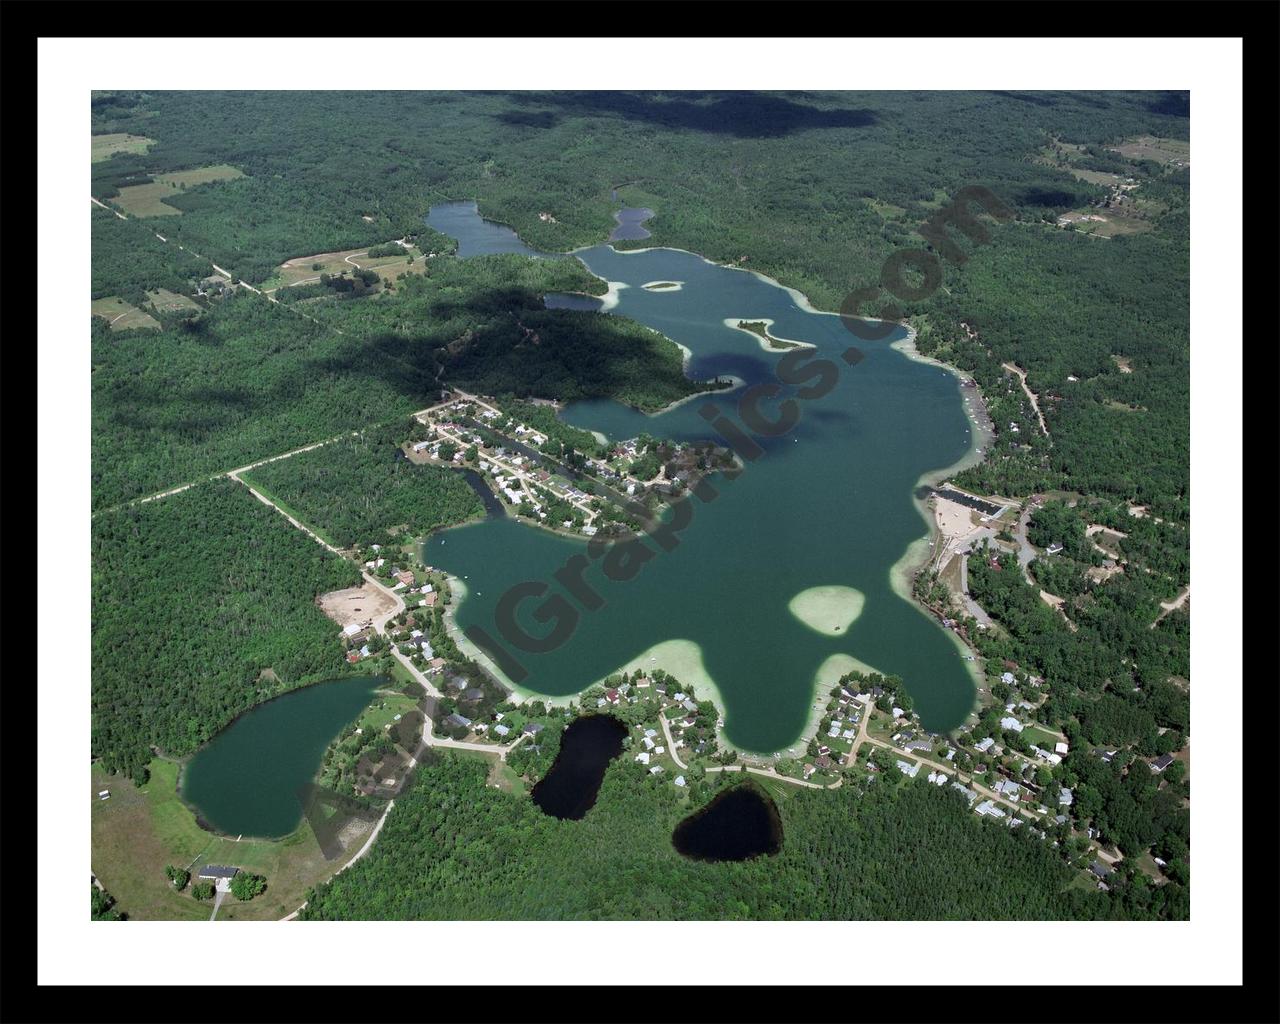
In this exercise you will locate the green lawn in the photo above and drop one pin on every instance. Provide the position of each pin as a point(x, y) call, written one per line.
point(137, 832)
point(1041, 738)
point(383, 710)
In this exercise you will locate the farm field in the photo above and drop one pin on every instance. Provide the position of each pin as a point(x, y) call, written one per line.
point(1131, 219)
point(103, 147)
point(307, 269)
point(1150, 147)
point(149, 200)
point(200, 176)
point(122, 316)
point(167, 302)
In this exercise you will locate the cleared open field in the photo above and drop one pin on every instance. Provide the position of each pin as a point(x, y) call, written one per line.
point(138, 831)
point(307, 269)
point(106, 146)
point(121, 315)
point(167, 302)
point(200, 176)
point(355, 604)
point(149, 200)
point(1150, 147)
point(1131, 218)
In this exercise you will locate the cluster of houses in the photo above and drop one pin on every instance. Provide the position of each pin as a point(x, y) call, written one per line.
point(653, 745)
point(356, 635)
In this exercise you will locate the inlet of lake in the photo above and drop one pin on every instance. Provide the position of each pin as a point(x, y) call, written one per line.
point(829, 504)
point(247, 779)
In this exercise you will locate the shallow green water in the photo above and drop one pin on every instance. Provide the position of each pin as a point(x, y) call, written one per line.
point(247, 779)
point(827, 503)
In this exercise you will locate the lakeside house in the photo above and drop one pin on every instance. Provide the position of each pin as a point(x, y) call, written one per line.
point(219, 874)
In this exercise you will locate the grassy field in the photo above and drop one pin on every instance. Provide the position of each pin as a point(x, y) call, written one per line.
point(106, 146)
point(149, 200)
point(1131, 219)
point(1149, 147)
point(1040, 737)
point(168, 302)
point(146, 200)
point(199, 176)
point(306, 269)
point(383, 711)
point(139, 831)
point(122, 316)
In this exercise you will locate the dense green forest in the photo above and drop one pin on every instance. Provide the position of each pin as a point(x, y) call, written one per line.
point(1061, 305)
point(247, 379)
point(128, 260)
point(194, 597)
point(455, 848)
point(816, 189)
point(359, 488)
point(484, 324)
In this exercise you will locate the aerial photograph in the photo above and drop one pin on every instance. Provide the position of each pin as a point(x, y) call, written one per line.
point(642, 506)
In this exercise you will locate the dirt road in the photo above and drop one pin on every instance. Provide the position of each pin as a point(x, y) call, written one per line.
point(1022, 376)
point(1168, 606)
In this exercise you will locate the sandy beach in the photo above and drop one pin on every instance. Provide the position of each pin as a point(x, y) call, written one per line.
point(828, 610)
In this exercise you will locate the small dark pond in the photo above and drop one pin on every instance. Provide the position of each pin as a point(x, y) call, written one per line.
point(737, 825)
point(586, 748)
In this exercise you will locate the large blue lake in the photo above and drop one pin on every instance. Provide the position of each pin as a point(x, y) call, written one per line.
point(828, 505)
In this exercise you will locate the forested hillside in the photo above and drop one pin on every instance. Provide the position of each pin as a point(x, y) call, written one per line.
point(455, 848)
point(194, 598)
point(357, 489)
